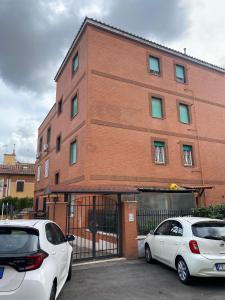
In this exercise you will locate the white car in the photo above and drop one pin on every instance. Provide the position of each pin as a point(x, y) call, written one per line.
point(193, 246)
point(35, 260)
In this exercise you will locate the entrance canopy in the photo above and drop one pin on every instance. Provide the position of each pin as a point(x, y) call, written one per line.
point(78, 189)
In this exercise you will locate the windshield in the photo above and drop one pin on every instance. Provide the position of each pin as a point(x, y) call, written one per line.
point(209, 230)
point(18, 241)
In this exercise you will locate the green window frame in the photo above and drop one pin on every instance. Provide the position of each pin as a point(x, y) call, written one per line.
point(154, 65)
point(180, 73)
point(74, 106)
point(184, 113)
point(75, 62)
point(157, 108)
point(73, 152)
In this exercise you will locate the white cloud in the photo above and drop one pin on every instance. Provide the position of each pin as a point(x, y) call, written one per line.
point(204, 37)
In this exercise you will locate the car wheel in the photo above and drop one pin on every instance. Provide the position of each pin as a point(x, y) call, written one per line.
point(183, 271)
point(70, 270)
point(53, 292)
point(148, 255)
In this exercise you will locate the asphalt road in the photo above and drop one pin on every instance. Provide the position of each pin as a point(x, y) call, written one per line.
point(136, 280)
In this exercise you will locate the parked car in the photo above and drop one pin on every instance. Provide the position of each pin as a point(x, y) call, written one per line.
point(35, 260)
point(193, 246)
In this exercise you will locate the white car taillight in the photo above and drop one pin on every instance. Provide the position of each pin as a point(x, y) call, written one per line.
point(194, 247)
point(25, 263)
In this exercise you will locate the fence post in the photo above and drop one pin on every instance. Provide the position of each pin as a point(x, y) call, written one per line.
point(129, 229)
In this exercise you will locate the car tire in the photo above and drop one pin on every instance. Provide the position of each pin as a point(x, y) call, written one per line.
point(69, 276)
point(148, 255)
point(53, 292)
point(183, 272)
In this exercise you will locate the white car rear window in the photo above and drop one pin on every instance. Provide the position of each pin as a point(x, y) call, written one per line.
point(18, 241)
point(209, 230)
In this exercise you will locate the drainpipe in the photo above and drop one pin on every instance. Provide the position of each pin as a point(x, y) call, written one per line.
point(198, 142)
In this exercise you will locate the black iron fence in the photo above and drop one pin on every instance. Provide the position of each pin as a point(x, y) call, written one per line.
point(149, 219)
point(106, 220)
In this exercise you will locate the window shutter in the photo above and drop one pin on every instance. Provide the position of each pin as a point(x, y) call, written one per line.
point(184, 113)
point(73, 153)
point(157, 108)
point(180, 73)
point(154, 64)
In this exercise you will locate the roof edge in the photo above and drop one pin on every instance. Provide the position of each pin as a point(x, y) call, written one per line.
point(131, 36)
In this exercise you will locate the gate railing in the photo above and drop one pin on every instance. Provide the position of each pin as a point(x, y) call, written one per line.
point(149, 219)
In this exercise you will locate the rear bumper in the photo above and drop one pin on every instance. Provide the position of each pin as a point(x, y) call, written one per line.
point(203, 267)
point(30, 289)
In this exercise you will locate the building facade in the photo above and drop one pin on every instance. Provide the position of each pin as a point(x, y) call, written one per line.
point(16, 179)
point(130, 112)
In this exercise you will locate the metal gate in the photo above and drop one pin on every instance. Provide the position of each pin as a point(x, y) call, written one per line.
point(95, 221)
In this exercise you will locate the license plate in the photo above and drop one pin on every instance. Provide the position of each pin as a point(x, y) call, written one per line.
point(220, 267)
point(1, 272)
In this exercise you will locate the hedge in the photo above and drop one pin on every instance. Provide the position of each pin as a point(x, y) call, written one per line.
point(212, 211)
point(16, 204)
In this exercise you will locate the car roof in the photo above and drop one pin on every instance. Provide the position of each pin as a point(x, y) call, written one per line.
point(193, 220)
point(23, 223)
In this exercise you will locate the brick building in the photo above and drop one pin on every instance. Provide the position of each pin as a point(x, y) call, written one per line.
point(16, 179)
point(130, 112)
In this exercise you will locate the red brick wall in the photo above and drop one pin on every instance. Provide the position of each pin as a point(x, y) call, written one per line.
point(114, 128)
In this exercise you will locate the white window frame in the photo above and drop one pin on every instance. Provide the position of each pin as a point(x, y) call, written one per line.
point(46, 168)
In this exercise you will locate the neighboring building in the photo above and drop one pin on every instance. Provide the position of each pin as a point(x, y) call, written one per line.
point(131, 112)
point(16, 179)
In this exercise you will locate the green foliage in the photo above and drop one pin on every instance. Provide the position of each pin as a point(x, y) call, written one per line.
point(16, 204)
point(213, 211)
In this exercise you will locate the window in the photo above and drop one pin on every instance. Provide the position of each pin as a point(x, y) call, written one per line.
point(75, 63)
point(156, 108)
point(154, 65)
point(18, 240)
point(211, 230)
point(176, 228)
point(38, 173)
point(59, 107)
point(73, 152)
point(40, 144)
point(46, 168)
point(74, 106)
point(184, 113)
point(20, 186)
point(36, 204)
point(58, 143)
point(57, 178)
point(54, 234)
point(163, 229)
point(159, 152)
point(187, 155)
point(180, 74)
point(44, 204)
point(49, 135)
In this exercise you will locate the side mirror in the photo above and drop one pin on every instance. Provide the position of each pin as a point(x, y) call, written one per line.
point(151, 232)
point(70, 238)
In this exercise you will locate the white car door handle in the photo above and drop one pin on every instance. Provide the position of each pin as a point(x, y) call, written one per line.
point(53, 253)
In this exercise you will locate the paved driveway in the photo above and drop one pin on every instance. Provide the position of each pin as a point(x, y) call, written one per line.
point(136, 280)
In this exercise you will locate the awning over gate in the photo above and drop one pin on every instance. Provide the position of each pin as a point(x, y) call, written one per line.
point(76, 189)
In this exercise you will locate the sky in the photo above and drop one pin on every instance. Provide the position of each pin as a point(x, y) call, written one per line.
point(36, 34)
